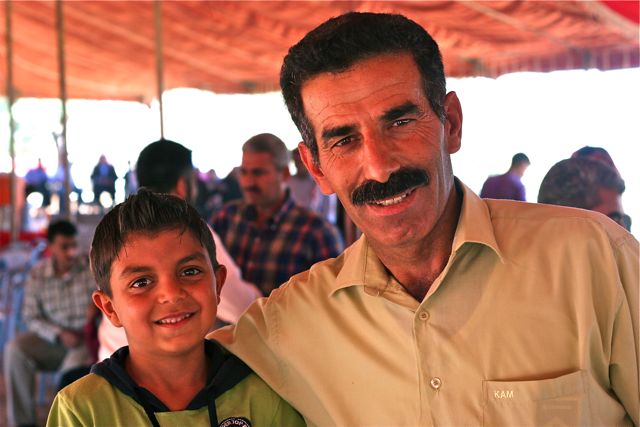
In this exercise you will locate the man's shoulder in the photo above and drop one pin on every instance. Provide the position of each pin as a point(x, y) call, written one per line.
point(554, 223)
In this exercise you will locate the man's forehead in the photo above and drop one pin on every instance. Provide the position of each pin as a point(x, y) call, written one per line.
point(373, 85)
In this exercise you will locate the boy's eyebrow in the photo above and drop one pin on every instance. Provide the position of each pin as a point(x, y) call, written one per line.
point(399, 111)
point(134, 269)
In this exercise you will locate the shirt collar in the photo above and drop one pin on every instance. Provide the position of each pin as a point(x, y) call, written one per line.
point(363, 267)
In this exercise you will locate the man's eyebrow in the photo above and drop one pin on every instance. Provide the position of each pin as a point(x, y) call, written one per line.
point(400, 111)
point(337, 131)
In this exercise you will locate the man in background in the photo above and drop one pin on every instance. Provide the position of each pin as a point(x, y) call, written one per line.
point(585, 183)
point(57, 294)
point(103, 178)
point(508, 185)
point(267, 234)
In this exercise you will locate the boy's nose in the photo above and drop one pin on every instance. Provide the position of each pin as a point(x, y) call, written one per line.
point(171, 292)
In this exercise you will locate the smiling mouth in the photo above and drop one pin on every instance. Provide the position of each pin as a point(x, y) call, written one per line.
point(393, 200)
point(173, 320)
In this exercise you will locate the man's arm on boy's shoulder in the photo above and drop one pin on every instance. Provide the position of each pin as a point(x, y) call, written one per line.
point(258, 346)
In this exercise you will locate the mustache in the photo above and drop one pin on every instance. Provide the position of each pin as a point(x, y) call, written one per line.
point(399, 182)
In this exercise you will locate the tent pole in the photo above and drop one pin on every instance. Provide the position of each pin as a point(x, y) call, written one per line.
point(159, 59)
point(13, 182)
point(64, 155)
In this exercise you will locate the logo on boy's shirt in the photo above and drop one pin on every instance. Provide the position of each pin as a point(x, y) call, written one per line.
point(235, 422)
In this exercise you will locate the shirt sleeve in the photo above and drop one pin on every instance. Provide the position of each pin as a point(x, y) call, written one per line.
point(31, 310)
point(61, 414)
point(625, 357)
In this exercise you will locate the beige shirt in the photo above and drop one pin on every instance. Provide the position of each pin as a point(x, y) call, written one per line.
point(534, 321)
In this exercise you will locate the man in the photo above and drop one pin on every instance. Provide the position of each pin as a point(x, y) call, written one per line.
point(57, 294)
point(306, 193)
point(165, 167)
point(37, 181)
point(451, 309)
point(509, 185)
point(270, 237)
point(103, 178)
point(587, 184)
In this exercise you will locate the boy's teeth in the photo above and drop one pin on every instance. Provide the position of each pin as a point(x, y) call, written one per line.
point(174, 319)
point(393, 200)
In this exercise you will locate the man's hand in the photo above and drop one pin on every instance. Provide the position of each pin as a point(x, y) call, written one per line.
point(69, 338)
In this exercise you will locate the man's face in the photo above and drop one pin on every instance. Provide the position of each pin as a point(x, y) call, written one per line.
point(263, 185)
point(381, 147)
point(64, 250)
point(164, 292)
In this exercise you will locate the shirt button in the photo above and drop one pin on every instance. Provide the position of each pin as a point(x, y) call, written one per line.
point(423, 315)
point(436, 383)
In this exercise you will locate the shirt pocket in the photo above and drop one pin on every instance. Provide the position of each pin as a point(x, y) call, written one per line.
point(561, 401)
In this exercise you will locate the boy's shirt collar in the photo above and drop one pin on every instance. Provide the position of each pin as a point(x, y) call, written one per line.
point(226, 371)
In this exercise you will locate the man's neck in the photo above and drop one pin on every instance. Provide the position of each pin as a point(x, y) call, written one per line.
point(416, 266)
point(60, 269)
point(265, 213)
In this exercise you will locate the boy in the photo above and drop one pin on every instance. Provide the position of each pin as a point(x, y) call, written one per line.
point(155, 265)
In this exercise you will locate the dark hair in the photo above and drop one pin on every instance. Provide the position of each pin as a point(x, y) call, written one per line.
point(340, 42)
point(160, 165)
point(575, 182)
point(144, 212)
point(519, 158)
point(61, 227)
point(268, 143)
point(594, 153)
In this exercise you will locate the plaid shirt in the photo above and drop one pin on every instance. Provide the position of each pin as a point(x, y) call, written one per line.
point(290, 242)
point(52, 303)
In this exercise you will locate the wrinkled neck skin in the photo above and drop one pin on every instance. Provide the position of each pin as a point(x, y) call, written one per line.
point(416, 265)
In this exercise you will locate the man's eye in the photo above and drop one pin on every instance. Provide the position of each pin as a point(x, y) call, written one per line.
point(191, 271)
point(140, 283)
point(343, 142)
point(400, 122)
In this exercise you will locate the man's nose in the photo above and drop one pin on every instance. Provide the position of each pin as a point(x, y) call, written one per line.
point(378, 158)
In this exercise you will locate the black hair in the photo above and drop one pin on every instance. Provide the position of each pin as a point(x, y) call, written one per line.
point(340, 42)
point(149, 213)
point(61, 227)
point(161, 163)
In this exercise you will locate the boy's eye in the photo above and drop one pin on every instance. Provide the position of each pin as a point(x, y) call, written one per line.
point(191, 271)
point(140, 283)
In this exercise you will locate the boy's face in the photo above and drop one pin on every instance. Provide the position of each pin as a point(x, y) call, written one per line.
point(164, 292)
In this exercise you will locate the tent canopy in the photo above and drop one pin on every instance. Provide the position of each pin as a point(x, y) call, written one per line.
point(237, 47)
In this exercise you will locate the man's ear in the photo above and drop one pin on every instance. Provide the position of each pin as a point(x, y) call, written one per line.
point(453, 125)
point(314, 169)
point(182, 188)
point(221, 276)
point(104, 303)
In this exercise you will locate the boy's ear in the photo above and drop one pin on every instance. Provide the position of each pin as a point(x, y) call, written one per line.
point(221, 276)
point(103, 302)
